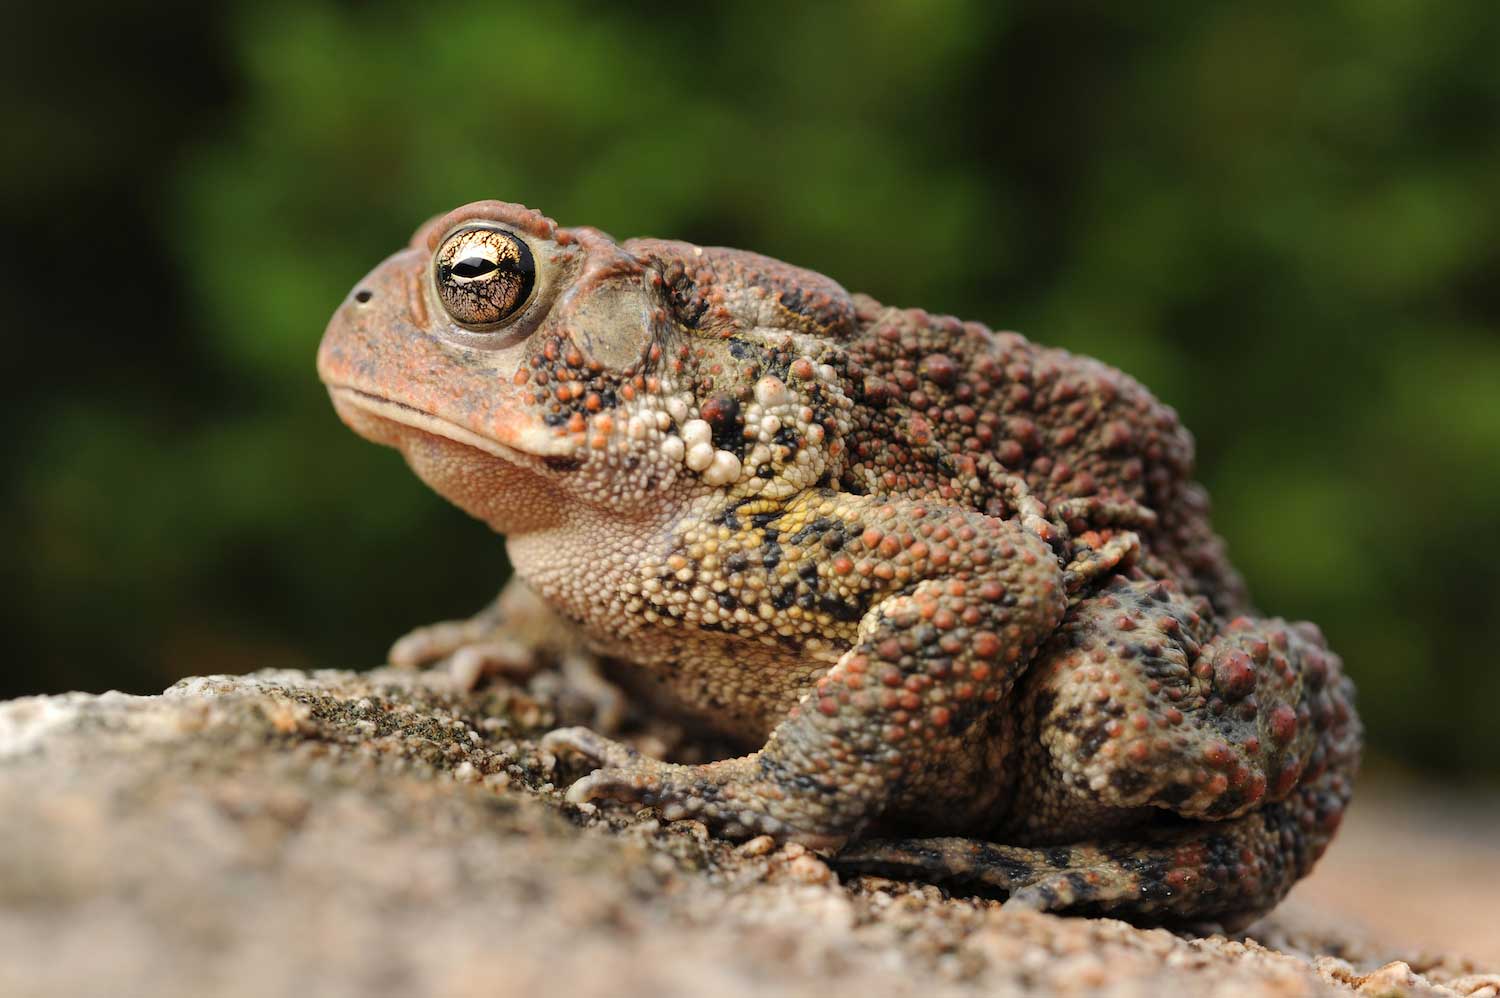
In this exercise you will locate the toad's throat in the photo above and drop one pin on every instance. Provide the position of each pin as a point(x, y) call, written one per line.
point(528, 449)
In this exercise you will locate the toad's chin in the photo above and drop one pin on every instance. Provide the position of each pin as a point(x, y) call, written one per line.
point(507, 487)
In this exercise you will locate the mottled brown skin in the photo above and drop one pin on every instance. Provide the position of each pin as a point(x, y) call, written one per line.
point(943, 581)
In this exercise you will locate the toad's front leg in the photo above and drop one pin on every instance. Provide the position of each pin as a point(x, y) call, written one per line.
point(957, 604)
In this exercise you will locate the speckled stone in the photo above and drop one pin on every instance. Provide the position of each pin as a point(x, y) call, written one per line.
point(387, 834)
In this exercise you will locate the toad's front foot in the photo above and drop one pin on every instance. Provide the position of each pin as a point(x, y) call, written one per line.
point(735, 797)
point(495, 641)
point(516, 637)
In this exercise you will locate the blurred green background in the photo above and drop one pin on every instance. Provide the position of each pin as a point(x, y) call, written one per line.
point(1284, 217)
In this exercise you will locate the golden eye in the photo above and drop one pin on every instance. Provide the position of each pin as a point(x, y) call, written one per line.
point(484, 275)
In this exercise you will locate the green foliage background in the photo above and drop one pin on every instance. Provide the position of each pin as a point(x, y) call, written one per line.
point(1284, 217)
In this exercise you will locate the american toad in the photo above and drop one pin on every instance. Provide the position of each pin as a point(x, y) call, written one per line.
point(954, 589)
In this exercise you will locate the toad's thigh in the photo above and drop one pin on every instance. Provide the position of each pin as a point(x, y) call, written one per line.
point(1143, 701)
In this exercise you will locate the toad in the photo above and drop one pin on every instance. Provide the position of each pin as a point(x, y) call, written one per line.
point(955, 593)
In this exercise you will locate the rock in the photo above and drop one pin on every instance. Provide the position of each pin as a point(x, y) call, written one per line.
point(376, 834)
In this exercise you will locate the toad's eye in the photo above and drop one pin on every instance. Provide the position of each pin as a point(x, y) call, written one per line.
point(484, 275)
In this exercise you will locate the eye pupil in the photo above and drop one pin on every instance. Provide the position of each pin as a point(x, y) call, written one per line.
point(473, 266)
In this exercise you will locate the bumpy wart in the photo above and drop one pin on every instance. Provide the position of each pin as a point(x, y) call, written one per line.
point(956, 593)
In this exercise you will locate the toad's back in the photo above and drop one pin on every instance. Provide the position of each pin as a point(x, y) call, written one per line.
point(945, 399)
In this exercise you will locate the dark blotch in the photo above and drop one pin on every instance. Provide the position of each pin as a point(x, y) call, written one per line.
point(839, 610)
point(1128, 781)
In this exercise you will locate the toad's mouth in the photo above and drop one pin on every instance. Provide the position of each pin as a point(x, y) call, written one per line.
point(528, 449)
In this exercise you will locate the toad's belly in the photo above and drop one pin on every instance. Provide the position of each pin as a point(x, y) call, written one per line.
point(739, 688)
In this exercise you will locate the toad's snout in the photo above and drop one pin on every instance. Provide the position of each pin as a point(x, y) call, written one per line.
point(388, 302)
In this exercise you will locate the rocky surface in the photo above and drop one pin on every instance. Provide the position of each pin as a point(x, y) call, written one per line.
point(377, 834)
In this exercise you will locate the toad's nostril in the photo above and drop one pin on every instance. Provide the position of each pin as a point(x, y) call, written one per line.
point(363, 295)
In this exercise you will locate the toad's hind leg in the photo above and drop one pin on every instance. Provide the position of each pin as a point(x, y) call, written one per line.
point(1193, 770)
point(1228, 871)
point(1142, 700)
